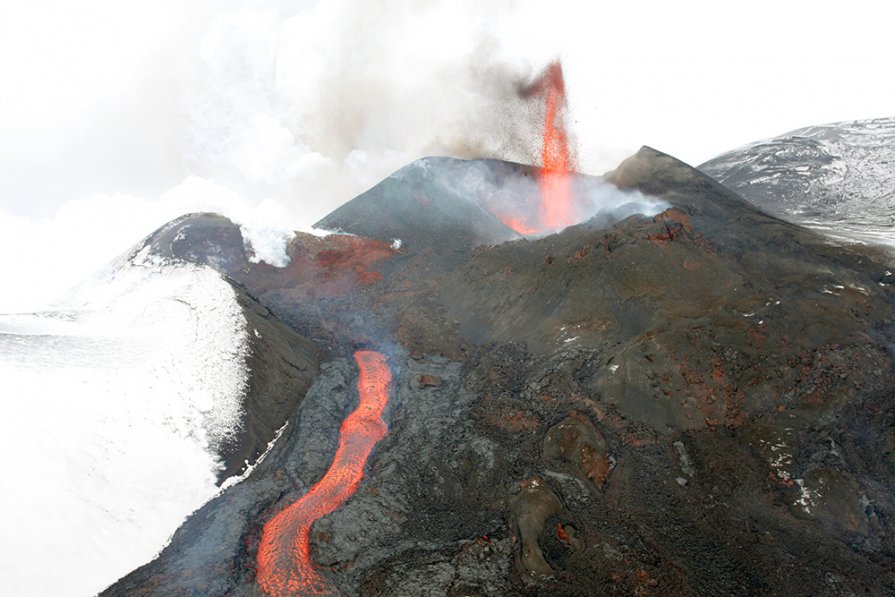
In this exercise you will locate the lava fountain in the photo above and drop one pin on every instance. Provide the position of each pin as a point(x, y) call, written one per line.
point(557, 207)
point(284, 559)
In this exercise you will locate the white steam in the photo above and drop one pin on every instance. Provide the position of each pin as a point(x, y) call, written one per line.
point(44, 258)
point(510, 194)
point(272, 113)
point(605, 203)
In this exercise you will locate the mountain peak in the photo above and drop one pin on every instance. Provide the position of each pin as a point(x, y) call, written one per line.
point(651, 167)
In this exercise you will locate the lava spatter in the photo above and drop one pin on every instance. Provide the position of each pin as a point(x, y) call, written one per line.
point(557, 204)
point(556, 207)
point(284, 559)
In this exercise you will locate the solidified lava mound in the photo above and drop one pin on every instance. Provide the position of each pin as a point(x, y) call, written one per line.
point(694, 403)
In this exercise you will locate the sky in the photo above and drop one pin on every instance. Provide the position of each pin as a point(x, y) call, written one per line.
point(117, 115)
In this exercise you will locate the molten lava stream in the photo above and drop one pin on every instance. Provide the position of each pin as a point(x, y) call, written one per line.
point(284, 559)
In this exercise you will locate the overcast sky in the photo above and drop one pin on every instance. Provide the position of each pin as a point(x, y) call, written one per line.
point(118, 115)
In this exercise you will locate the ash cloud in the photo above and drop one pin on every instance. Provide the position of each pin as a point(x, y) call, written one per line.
point(277, 112)
point(322, 102)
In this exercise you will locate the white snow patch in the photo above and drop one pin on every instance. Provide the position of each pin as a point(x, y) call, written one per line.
point(684, 458)
point(808, 498)
point(113, 407)
point(781, 458)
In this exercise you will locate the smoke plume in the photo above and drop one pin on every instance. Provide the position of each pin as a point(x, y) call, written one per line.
point(272, 113)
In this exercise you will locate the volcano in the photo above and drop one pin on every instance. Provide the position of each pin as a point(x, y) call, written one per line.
point(681, 395)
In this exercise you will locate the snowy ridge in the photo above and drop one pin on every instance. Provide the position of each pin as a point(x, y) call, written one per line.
point(114, 407)
point(838, 178)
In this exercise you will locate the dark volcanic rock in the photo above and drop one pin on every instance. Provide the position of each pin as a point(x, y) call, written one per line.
point(529, 511)
point(282, 365)
point(204, 238)
point(577, 441)
point(692, 313)
point(696, 403)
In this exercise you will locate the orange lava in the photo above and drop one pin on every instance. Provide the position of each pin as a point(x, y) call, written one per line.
point(284, 559)
point(557, 206)
point(519, 225)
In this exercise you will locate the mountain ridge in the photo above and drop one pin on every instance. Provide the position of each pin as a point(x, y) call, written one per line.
point(836, 178)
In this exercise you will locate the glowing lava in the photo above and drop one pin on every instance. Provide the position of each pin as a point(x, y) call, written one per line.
point(284, 559)
point(520, 225)
point(556, 208)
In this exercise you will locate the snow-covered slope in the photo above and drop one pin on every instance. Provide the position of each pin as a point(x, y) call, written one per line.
point(839, 178)
point(113, 408)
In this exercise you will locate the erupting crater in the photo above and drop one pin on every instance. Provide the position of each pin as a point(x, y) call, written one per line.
point(284, 559)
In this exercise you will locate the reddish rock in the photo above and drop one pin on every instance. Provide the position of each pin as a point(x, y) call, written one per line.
point(429, 381)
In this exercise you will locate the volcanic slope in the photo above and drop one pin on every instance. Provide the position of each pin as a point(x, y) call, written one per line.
point(433, 203)
point(837, 178)
point(697, 402)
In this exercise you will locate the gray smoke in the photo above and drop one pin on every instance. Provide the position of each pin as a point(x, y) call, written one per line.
point(321, 102)
point(270, 112)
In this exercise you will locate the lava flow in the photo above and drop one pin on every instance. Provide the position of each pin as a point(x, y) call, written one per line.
point(284, 559)
point(556, 208)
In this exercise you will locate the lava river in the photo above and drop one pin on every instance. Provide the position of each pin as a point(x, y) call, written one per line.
point(284, 559)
